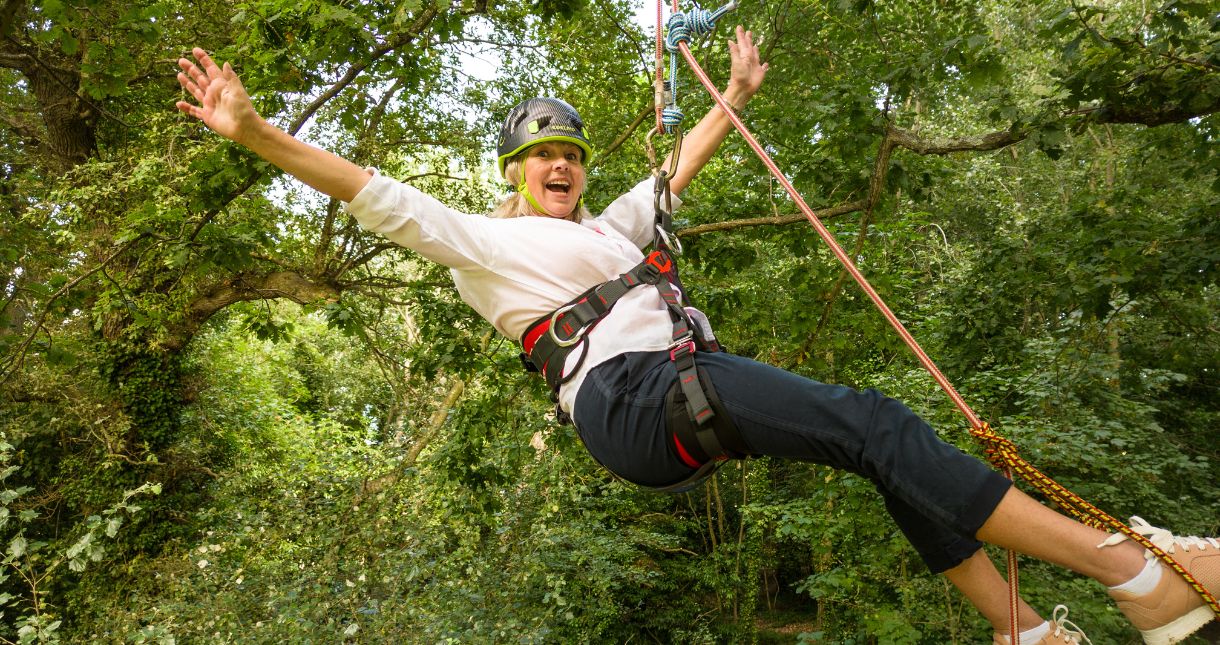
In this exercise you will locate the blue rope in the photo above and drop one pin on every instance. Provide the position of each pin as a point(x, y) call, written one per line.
point(671, 118)
point(679, 29)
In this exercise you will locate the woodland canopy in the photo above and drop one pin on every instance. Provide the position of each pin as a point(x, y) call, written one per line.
point(230, 415)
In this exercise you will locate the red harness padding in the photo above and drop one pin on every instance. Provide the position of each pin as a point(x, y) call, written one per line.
point(703, 432)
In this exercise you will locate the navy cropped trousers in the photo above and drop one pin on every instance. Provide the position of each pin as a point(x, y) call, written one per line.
point(938, 495)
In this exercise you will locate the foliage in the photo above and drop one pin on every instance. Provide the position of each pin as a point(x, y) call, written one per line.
point(345, 453)
point(30, 565)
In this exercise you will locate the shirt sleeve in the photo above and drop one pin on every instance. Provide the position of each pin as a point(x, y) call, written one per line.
point(407, 216)
point(633, 215)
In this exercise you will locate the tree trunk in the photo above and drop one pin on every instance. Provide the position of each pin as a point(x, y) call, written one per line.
point(68, 120)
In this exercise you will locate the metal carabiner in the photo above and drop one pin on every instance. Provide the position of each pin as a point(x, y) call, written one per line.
point(551, 328)
point(651, 150)
point(673, 243)
point(673, 155)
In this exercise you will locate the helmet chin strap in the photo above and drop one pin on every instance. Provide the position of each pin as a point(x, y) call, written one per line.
point(524, 189)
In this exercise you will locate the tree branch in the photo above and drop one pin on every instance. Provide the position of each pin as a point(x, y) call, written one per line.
point(421, 22)
point(18, 359)
point(296, 287)
point(412, 32)
point(778, 220)
point(8, 15)
point(904, 138)
point(364, 258)
point(433, 174)
point(626, 134)
point(210, 215)
point(876, 183)
point(25, 131)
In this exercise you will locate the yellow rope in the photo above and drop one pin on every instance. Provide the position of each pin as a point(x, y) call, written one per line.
point(1003, 454)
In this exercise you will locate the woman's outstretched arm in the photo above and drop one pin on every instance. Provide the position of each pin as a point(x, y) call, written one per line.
point(224, 106)
point(704, 139)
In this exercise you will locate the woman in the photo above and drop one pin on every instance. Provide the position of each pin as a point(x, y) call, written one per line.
point(543, 248)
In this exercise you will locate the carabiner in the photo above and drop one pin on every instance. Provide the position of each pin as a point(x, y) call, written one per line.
point(673, 243)
point(673, 155)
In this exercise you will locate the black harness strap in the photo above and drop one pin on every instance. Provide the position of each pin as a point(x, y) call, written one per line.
point(548, 341)
point(700, 425)
point(716, 440)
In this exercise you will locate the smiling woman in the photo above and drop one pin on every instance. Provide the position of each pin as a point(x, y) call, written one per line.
point(542, 150)
point(556, 178)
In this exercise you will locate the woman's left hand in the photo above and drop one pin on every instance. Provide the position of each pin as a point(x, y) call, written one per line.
point(748, 70)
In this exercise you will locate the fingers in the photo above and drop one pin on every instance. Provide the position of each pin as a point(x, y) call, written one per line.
point(187, 109)
point(208, 64)
point(744, 46)
point(196, 82)
point(745, 39)
point(190, 86)
point(202, 78)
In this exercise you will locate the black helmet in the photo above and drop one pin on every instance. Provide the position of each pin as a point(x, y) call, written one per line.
point(537, 120)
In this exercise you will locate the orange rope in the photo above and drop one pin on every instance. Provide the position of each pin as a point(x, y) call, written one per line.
point(1001, 452)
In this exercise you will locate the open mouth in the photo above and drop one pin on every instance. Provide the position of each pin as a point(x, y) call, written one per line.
point(559, 187)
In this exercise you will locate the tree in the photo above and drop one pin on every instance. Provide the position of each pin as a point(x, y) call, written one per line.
point(1032, 189)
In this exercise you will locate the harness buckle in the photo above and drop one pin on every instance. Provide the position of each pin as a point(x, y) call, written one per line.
point(564, 342)
point(654, 261)
point(682, 347)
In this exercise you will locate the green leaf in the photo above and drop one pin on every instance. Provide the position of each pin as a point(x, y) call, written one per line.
point(16, 548)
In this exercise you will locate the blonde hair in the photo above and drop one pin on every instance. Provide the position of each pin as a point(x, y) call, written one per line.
point(516, 205)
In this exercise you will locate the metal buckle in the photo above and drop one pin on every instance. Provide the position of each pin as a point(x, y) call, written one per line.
point(673, 243)
point(551, 328)
point(687, 341)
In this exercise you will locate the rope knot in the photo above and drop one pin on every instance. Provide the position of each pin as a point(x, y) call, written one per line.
point(1001, 451)
point(671, 118)
point(677, 30)
point(699, 22)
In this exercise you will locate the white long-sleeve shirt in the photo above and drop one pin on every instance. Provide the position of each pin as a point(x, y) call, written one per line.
point(514, 271)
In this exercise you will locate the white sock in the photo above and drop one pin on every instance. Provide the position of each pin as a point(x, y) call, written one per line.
point(1144, 581)
point(1033, 634)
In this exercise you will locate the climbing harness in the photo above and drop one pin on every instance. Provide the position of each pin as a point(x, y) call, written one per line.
point(704, 435)
point(1001, 452)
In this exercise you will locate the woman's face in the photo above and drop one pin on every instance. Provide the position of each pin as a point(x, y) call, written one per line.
point(555, 176)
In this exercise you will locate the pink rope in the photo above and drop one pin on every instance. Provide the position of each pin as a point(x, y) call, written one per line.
point(827, 237)
point(1070, 500)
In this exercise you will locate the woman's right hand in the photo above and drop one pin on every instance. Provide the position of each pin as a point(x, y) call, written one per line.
point(223, 105)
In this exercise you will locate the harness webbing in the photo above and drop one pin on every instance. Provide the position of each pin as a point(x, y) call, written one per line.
point(703, 432)
point(1001, 452)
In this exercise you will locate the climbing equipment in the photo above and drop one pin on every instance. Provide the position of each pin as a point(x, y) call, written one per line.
point(703, 433)
point(678, 30)
point(537, 120)
point(1001, 452)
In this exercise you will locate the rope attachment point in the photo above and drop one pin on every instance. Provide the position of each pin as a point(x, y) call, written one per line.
point(678, 30)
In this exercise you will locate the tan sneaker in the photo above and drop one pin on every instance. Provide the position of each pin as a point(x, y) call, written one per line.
point(1063, 631)
point(1174, 610)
